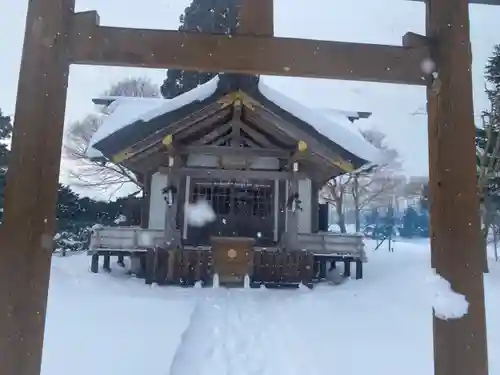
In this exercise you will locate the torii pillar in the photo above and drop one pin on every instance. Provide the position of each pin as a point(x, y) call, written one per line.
point(31, 193)
point(26, 235)
point(460, 345)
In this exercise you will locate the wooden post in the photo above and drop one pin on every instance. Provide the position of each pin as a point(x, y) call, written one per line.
point(171, 230)
point(314, 207)
point(150, 266)
point(347, 268)
point(322, 269)
point(31, 193)
point(359, 269)
point(459, 345)
point(106, 265)
point(172, 233)
point(146, 199)
point(121, 260)
point(292, 224)
point(94, 264)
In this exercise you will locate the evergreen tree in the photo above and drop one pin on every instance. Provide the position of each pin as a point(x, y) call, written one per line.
point(409, 228)
point(204, 16)
point(423, 224)
point(71, 233)
point(492, 76)
point(5, 133)
point(493, 71)
point(487, 135)
point(424, 198)
point(77, 215)
point(488, 149)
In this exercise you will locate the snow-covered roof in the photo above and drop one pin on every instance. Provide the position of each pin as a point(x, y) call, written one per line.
point(121, 111)
point(330, 126)
point(124, 111)
point(334, 125)
point(342, 118)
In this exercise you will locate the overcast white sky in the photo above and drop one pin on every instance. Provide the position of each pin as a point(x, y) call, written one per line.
point(397, 110)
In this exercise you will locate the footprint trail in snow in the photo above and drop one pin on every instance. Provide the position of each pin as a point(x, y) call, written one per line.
point(237, 332)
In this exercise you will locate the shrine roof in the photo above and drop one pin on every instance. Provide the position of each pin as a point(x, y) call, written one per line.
point(132, 119)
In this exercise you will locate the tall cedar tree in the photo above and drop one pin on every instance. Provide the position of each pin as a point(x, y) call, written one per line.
point(493, 69)
point(5, 133)
point(492, 75)
point(204, 16)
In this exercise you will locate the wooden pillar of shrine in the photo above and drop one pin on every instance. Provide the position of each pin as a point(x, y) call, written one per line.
point(292, 218)
point(459, 344)
point(146, 199)
point(172, 232)
point(26, 235)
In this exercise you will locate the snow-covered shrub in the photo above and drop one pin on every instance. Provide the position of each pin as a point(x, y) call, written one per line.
point(74, 239)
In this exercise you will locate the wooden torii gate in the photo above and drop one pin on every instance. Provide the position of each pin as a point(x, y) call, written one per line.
point(56, 37)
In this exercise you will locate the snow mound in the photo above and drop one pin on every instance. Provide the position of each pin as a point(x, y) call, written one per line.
point(198, 285)
point(446, 303)
point(200, 213)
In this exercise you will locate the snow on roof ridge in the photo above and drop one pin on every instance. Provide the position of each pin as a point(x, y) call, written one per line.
point(336, 132)
point(124, 111)
point(199, 93)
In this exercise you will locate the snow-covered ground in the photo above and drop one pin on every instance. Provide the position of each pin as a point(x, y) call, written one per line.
point(103, 324)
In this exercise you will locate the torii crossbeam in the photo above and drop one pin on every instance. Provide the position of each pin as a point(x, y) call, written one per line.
point(57, 37)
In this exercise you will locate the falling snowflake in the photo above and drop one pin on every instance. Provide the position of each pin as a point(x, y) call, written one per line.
point(428, 66)
point(200, 214)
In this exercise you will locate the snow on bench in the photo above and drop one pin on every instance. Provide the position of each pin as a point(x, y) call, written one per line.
point(333, 244)
point(126, 239)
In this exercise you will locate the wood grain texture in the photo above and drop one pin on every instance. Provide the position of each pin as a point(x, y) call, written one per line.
point(26, 238)
point(246, 54)
point(460, 344)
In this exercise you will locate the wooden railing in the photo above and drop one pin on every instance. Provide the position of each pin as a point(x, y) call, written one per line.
point(125, 238)
point(137, 239)
point(333, 244)
point(268, 266)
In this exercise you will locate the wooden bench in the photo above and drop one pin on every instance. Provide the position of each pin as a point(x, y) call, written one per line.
point(332, 248)
point(134, 242)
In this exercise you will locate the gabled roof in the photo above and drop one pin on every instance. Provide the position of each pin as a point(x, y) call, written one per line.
point(125, 111)
point(133, 119)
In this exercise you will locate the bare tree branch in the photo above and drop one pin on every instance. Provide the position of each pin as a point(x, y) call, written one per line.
point(134, 87)
point(382, 182)
point(102, 174)
point(378, 185)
